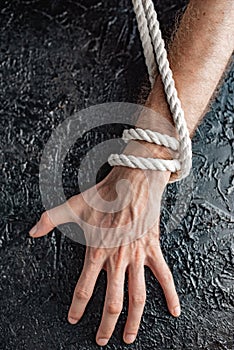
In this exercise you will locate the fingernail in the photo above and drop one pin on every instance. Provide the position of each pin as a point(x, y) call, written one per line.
point(102, 341)
point(177, 311)
point(72, 320)
point(129, 338)
point(33, 230)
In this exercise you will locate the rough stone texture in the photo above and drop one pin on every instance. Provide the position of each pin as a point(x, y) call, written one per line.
point(58, 57)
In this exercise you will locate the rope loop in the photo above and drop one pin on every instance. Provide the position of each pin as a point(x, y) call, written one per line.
point(156, 56)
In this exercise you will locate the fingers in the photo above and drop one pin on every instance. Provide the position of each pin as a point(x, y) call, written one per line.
point(113, 305)
point(84, 289)
point(56, 216)
point(137, 297)
point(163, 274)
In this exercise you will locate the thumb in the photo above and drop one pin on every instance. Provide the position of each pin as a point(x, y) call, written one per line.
point(52, 218)
point(42, 227)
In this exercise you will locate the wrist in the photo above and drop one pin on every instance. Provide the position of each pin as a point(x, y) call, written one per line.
point(136, 176)
point(142, 148)
point(146, 149)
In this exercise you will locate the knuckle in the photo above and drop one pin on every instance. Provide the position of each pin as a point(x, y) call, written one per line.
point(153, 252)
point(138, 300)
point(82, 294)
point(92, 266)
point(138, 257)
point(116, 264)
point(73, 200)
point(167, 277)
point(95, 256)
point(45, 217)
point(46, 220)
point(114, 308)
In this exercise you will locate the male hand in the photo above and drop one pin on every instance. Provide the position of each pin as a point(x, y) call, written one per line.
point(109, 248)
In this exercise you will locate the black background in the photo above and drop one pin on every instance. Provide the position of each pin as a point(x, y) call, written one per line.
point(58, 57)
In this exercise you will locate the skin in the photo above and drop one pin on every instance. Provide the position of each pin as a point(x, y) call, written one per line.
point(198, 56)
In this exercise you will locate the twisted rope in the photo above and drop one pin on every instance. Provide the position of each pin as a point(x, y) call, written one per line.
point(151, 136)
point(145, 40)
point(145, 163)
point(151, 37)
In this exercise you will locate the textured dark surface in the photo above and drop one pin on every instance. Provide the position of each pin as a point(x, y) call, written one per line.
point(61, 56)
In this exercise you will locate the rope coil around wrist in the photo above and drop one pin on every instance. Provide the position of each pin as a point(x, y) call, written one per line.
point(155, 53)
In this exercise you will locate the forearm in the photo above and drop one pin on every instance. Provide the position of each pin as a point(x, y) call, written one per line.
point(198, 56)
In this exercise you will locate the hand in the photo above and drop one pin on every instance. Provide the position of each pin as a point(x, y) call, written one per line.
point(118, 253)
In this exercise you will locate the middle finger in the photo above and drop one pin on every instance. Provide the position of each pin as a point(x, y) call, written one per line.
point(137, 297)
point(113, 304)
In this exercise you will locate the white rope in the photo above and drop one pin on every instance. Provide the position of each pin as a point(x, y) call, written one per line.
point(151, 136)
point(145, 40)
point(146, 15)
point(145, 163)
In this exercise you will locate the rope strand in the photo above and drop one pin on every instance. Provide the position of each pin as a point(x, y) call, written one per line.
point(153, 43)
point(151, 136)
